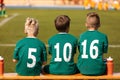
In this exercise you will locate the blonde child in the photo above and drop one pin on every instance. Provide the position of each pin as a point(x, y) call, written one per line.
point(30, 53)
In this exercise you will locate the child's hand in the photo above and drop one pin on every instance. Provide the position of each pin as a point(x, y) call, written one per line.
point(14, 60)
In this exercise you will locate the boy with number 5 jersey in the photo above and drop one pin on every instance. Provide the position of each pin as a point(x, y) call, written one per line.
point(30, 53)
point(92, 45)
point(62, 48)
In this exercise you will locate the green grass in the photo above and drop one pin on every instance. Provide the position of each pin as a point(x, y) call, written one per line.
point(12, 31)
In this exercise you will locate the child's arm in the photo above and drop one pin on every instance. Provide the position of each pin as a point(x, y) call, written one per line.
point(44, 63)
point(15, 54)
point(105, 49)
point(44, 55)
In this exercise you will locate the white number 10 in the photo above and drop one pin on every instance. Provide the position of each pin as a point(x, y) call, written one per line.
point(92, 48)
point(66, 59)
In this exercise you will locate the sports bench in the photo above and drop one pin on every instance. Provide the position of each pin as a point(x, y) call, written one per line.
point(14, 76)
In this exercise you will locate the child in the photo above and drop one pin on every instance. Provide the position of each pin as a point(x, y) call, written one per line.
point(30, 52)
point(92, 45)
point(62, 48)
point(2, 9)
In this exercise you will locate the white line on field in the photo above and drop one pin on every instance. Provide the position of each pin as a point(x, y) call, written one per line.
point(7, 19)
point(114, 46)
point(111, 46)
point(7, 44)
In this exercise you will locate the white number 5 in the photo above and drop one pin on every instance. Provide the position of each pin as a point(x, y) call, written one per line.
point(30, 56)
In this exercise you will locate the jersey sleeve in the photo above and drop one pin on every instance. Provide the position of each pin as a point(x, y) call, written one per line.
point(16, 51)
point(75, 46)
point(49, 47)
point(105, 47)
point(44, 53)
point(79, 45)
point(79, 42)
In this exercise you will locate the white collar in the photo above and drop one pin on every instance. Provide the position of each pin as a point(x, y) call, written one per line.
point(30, 37)
point(62, 33)
point(91, 30)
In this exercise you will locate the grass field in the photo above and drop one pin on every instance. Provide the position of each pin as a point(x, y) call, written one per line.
point(12, 30)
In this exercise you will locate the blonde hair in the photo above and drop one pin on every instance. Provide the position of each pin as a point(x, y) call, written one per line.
point(31, 26)
point(93, 19)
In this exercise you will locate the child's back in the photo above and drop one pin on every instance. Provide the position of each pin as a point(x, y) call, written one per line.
point(30, 52)
point(62, 48)
point(92, 45)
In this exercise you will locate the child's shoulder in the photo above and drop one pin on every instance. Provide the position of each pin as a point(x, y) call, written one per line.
point(62, 36)
point(27, 39)
point(72, 36)
point(93, 32)
point(101, 33)
point(39, 41)
point(21, 40)
point(84, 33)
point(53, 36)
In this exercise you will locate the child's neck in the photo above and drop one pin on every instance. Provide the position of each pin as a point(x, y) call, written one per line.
point(62, 33)
point(92, 29)
point(31, 35)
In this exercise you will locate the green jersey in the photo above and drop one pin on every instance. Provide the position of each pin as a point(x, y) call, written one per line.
point(30, 53)
point(62, 47)
point(92, 45)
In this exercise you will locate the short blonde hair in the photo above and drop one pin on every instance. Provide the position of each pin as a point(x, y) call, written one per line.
point(93, 19)
point(31, 26)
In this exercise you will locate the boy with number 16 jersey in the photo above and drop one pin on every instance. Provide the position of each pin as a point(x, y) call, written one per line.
point(62, 48)
point(30, 53)
point(92, 45)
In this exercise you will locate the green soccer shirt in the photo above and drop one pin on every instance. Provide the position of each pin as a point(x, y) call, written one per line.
point(30, 53)
point(62, 47)
point(92, 45)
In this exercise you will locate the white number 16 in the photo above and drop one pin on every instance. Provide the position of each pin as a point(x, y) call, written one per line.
point(93, 47)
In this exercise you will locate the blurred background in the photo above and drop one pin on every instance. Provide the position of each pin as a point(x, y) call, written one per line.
point(84, 4)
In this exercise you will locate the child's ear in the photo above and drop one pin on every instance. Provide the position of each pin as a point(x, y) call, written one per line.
point(25, 31)
point(86, 24)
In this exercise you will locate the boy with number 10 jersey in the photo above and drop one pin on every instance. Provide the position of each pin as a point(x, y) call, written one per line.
point(92, 45)
point(62, 48)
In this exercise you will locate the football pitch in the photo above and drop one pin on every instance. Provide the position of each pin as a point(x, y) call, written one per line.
point(12, 30)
